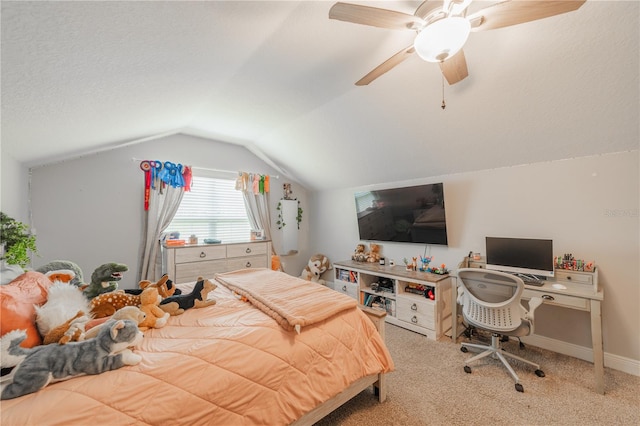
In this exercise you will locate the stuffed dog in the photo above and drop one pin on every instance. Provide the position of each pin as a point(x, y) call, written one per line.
point(176, 305)
point(318, 264)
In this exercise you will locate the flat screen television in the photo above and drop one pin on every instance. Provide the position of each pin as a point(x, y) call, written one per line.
point(412, 214)
point(527, 256)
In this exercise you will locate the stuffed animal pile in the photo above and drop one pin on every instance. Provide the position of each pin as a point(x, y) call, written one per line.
point(72, 319)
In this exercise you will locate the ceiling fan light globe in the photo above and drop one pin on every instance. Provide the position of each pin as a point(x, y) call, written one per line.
point(442, 39)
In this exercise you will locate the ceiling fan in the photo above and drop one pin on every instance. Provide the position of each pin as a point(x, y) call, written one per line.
point(443, 27)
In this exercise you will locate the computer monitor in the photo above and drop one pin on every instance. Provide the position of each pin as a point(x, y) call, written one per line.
point(520, 255)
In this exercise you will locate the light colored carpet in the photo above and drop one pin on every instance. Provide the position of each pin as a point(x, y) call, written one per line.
point(430, 387)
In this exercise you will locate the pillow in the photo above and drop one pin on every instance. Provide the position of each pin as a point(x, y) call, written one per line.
point(16, 305)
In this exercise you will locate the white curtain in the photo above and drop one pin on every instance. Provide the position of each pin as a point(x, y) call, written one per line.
point(162, 208)
point(257, 206)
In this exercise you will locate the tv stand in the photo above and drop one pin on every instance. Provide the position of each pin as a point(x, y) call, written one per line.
point(417, 301)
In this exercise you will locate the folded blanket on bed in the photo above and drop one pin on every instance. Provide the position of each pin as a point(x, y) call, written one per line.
point(291, 301)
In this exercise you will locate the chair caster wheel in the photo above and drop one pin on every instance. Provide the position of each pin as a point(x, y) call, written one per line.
point(539, 373)
point(467, 369)
point(519, 387)
point(464, 349)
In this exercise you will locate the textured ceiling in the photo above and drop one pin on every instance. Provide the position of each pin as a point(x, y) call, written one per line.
point(279, 78)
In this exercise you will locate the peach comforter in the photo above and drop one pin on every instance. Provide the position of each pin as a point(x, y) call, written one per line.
point(226, 364)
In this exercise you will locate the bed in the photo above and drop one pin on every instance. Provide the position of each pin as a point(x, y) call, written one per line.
point(285, 352)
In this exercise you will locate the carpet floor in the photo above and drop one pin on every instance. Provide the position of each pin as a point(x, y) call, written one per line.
point(430, 387)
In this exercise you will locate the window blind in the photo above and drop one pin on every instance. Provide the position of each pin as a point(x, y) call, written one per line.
point(212, 209)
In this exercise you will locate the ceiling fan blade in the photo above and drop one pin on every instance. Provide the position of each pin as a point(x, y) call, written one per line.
point(455, 69)
point(374, 16)
point(510, 13)
point(386, 66)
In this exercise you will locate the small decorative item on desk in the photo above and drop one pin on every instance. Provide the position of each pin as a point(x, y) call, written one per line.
point(193, 239)
point(568, 262)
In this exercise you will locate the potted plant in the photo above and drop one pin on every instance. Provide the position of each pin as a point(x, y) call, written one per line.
point(16, 242)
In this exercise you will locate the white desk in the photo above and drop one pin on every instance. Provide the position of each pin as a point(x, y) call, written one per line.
point(575, 296)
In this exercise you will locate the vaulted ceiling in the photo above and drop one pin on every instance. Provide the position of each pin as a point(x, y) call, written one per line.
point(279, 77)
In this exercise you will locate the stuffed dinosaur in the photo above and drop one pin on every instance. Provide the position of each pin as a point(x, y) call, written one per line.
point(105, 279)
point(35, 368)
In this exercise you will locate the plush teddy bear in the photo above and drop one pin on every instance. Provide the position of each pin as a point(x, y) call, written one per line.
point(358, 254)
point(373, 256)
point(318, 264)
point(149, 301)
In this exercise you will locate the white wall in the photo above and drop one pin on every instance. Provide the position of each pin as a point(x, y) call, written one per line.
point(15, 189)
point(588, 206)
point(90, 210)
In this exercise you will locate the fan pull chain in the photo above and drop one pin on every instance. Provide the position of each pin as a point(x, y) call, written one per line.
point(444, 105)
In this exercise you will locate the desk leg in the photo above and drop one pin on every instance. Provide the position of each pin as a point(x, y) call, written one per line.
point(596, 342)
point(454, 309)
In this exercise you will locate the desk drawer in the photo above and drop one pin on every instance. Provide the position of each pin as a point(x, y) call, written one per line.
point(200, 254)
point(558, 299)
point(574, 277)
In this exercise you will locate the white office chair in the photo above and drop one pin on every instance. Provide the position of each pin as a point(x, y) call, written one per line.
point(491, 301)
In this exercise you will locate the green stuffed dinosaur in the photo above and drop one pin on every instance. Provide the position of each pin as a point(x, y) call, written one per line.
point(105, 279)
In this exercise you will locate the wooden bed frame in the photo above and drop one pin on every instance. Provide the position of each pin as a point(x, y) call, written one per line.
point(377, 380)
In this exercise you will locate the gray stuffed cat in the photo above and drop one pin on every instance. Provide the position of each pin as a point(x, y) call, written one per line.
point(37, 367)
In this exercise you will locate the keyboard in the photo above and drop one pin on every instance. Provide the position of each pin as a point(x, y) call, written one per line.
point(536, 283)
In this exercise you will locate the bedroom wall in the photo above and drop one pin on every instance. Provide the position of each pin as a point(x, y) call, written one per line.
point(90, 209)
point(588, 206)
point(14, 188)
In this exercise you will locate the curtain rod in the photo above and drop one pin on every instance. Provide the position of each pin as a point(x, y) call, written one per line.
point(208, 169)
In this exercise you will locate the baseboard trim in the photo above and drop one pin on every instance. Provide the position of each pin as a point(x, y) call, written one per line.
point(626, 365)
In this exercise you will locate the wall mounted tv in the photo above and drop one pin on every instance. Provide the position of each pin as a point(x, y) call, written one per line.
point(526, 256)
point(412, 214)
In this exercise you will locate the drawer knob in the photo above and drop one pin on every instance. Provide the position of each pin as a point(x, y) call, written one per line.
point(248, 265)
point(414, 319)
point(568, 277)
point(344, 288)
point(547, 297)
point(414, 307)
point(203, 254)
point(248, 250)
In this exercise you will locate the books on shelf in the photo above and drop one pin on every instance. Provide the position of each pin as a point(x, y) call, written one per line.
point(348, 276)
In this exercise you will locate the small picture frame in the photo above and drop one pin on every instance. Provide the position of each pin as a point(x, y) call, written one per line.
point(257, 234)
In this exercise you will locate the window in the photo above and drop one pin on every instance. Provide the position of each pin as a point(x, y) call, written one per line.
point(212, 209)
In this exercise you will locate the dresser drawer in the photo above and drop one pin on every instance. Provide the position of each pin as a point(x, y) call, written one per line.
point(420, 313)
point(247, 262)
point(252, 249)
point(200, 253)
point(558, 299)
point(350, 289)
point(187, 272)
